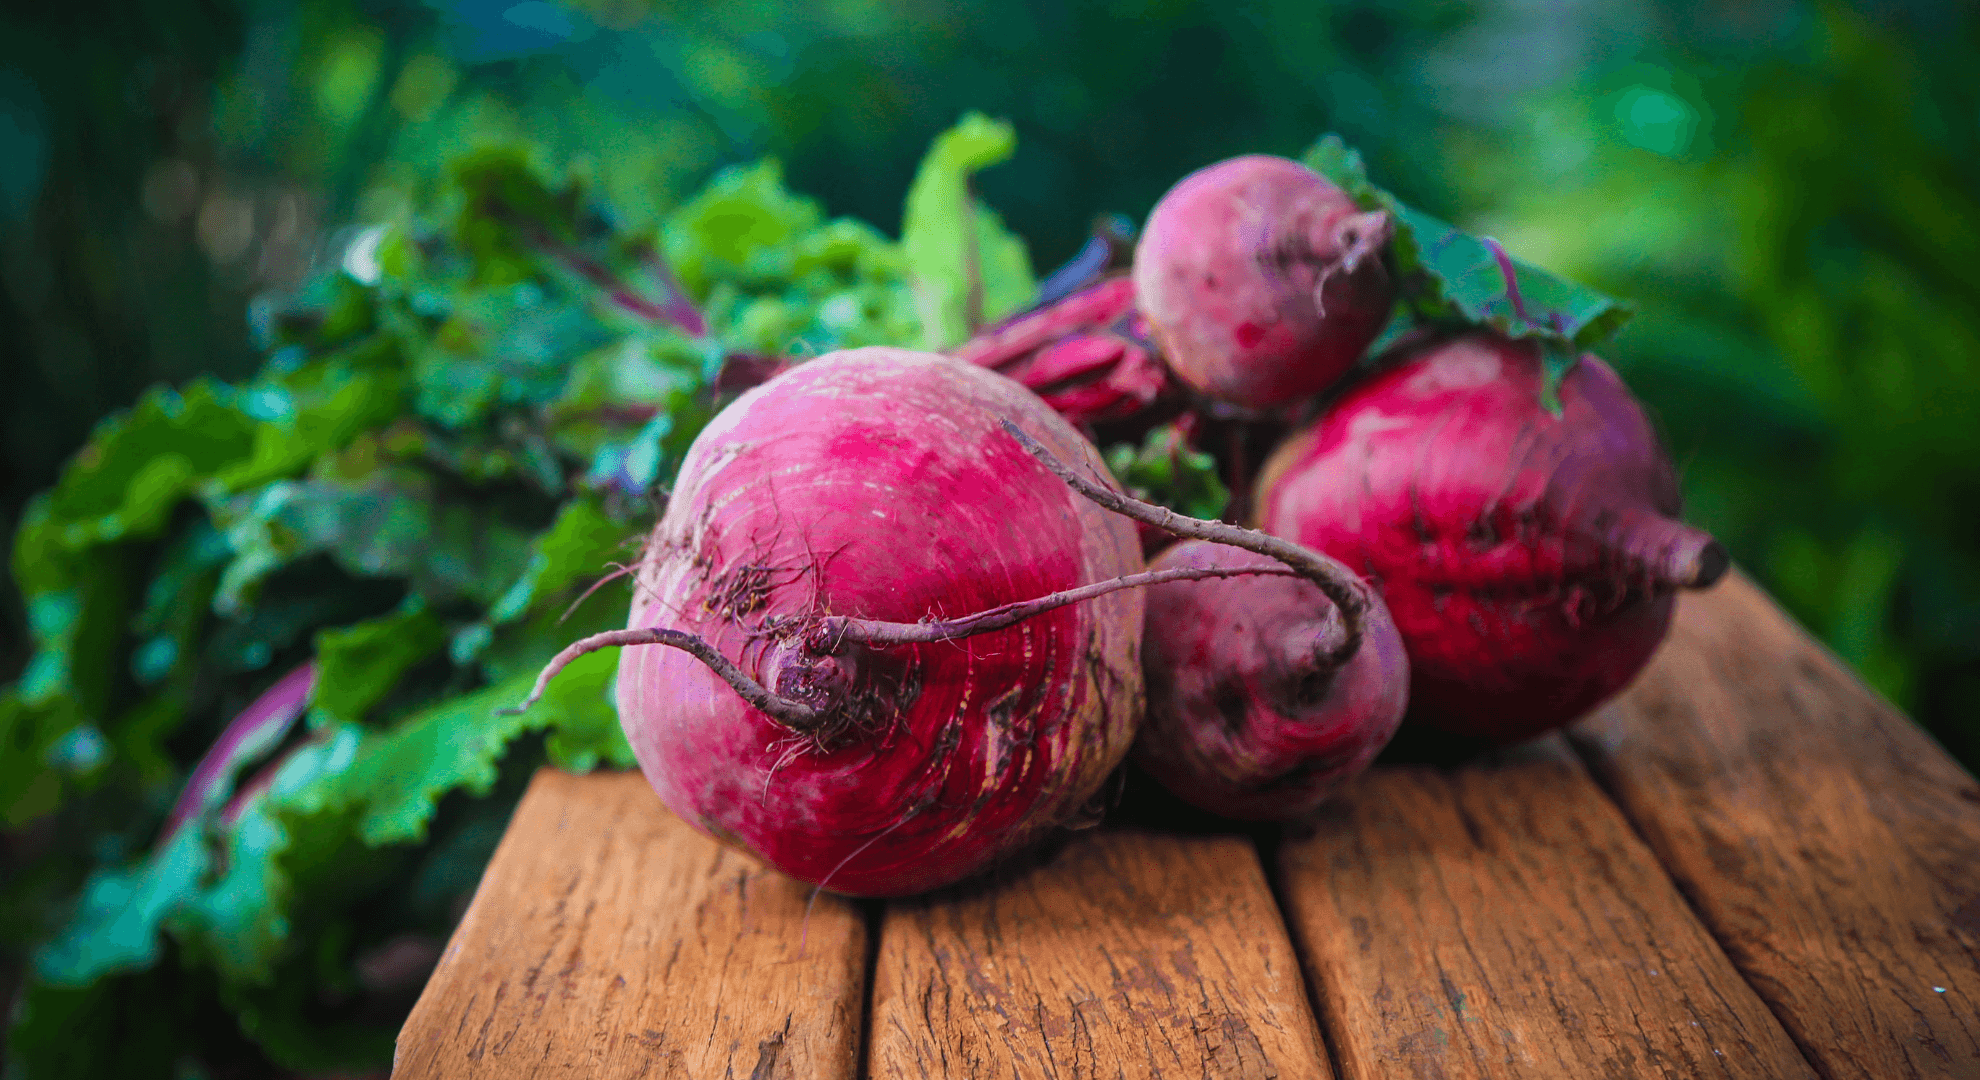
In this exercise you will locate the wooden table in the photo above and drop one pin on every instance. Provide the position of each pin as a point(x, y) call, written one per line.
point(1747, 866)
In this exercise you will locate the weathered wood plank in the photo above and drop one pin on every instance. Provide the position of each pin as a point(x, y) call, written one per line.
point(1828, 843)
point(610, 940)
point(1501, 920)
point(1129, 954)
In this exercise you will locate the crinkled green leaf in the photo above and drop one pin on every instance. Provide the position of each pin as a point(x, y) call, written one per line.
point(743, 224)
point(398, 776)
point(630, 411)
point(116, 927)
point(1165, 471)
point(505, 347)
point(966, 267)
point(324, 419)
point(241, 920)
point(1469, 278)
point(136, 468)
point(66, 686)
point(358, 665)
point(123, 486)
point(177, 596)
point(501, 194)
point(519, 229)
point(388, 524)
point(577, 548)
point(417, 430)
point(70, 558)
point(169, 631)
point(1451, 276)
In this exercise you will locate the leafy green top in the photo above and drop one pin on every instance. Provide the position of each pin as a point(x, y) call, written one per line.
point(453, 438)
point(1449, 276)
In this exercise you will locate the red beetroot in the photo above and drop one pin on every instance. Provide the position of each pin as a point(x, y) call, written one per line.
point(1529, 560)
point(873, 484)
point(1249, 716)
point(1263, 282)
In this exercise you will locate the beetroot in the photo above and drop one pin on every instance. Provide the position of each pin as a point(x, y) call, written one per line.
point(1262, 281)
point(1529, 560)
point(872, 484)
point(1248, 714)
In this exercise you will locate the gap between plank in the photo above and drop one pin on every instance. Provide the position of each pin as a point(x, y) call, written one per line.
point(875, 913)
point(1577, 745)
point(1266, 848)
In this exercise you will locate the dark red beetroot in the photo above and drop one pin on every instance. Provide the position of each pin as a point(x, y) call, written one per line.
point(1529, 560)
point(1262, 281)
point(1249, 716)
point(874, 484)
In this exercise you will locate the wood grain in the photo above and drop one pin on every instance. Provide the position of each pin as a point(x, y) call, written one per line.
point(1829, 844)
point(1501, 920)
point(610, 940)
point(1129, 954)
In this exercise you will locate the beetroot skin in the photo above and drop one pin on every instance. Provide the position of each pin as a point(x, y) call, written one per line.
point(1263, 282)
point(1529, 561)
point(875, 484)
point(1248, 716)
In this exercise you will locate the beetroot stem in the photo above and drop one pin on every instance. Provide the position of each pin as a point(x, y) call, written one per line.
point(1335, 580)
point(1511, 275)
point(873, 632)
point(791, 714)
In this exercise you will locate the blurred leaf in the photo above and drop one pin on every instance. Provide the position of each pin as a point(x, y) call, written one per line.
point(577, 548)
point(116, 927)
point(745, 221)
point(967, 268)
point(357, 666)
point(387, 522)
point(126, 1025)
point(397, 776)
point(500, 348)
point(122, 487)
point(1165, 471)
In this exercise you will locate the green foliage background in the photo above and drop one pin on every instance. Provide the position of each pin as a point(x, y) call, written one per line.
point(1784, 191)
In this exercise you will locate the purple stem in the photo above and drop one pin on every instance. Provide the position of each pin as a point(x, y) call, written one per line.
point(1512, 278)
point(874, 632)
point(1336, 582)
point(674, 312)
point(1082, 270)
point(688, 316)
point(258, 729)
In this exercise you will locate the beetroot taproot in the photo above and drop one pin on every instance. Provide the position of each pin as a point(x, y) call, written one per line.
point(1529, 559)
point(1249, 716)
point(1262, 281)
